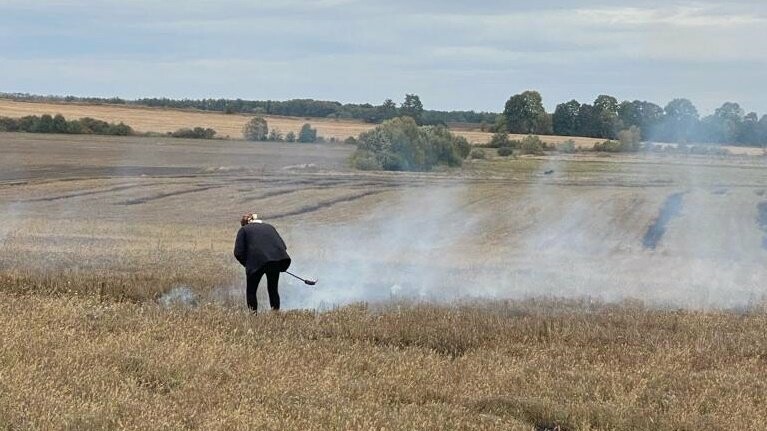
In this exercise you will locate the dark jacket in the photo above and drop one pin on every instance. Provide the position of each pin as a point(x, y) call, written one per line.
point(258, 244)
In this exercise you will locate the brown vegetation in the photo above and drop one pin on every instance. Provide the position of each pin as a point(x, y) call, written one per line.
point(78, 363)
point(85, 343)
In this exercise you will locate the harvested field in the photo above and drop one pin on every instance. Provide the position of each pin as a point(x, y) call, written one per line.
point(487, 297)
point(78, 363)
point(146, 119)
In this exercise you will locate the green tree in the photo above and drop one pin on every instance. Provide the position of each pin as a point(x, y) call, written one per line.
point(307, 134)
point(680, 121)
point(256, 129)
point(762, 131)
point(389, 109)
point(749, 130)
point(645, 115)
point(565, 118)
point(587, 121)
point(412, 107)
point(730, 121)
point(606, 115)
point(401, 145)
point(524, 113)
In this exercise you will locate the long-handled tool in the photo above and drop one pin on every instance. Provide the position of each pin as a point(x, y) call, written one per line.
point(305, 280)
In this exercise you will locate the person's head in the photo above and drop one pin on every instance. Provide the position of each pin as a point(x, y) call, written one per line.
point(244, 219)
point(249, 218)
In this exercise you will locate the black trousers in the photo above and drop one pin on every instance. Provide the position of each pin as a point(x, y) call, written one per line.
point(272, 271)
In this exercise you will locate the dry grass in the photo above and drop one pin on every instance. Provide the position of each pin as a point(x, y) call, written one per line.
point(80, 363)
point(85, 345)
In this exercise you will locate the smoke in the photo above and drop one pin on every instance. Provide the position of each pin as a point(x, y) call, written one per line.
point(689, 240)
point(406, 247)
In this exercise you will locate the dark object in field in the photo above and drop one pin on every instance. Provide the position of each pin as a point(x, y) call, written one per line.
point(655, 231)
point(305, 280)
point(261, 250)
point(761, 220)
point(549, 172)
point(259, 243)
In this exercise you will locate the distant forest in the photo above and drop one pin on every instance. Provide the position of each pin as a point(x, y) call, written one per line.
point(678, 122)
point(291, 108)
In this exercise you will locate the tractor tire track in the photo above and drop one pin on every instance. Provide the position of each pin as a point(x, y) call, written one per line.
point(323, 204)
point(87, 193)
point(159, 196)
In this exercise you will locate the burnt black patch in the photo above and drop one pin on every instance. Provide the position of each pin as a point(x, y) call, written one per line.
point(761, 220)
point(670, 209)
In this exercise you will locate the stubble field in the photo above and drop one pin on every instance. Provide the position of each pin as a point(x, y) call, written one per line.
point(497, 297)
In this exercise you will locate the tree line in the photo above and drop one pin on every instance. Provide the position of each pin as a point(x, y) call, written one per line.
point(58, 124)
point(410, 106)
point(89, 126)
point(678, 122)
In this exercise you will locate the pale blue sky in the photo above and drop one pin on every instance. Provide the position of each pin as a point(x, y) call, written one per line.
point(454, 54)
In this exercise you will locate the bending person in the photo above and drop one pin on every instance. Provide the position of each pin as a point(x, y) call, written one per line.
point(261, 250)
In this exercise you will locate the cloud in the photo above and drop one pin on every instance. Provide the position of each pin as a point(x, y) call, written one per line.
point(455, 54)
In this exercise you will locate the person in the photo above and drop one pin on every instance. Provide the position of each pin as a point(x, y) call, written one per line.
point(261, 250)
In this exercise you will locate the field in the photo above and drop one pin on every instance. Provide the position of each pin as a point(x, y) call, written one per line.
point(145, 119)
point(622, 292)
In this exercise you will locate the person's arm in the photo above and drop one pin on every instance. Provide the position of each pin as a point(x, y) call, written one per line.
point(240, 247)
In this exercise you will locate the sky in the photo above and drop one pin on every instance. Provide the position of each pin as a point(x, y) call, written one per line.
point(456, 55)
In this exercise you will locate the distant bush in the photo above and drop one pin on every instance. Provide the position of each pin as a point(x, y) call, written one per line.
point(8, 124)
point(307, 134)
point(196, 133)
point(58, 124)
point(275, 135)
point(608, 146)
point(709, 150)
point(630, 139)
point(499, 140)
point(400, 144)
point(256, 129)
point(290, 137)
point(505, 151)
point(350, 141)
point(567, 147)
point(477, 153)
point(531, 145)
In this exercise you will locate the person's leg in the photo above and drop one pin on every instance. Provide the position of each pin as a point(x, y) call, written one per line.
point(273, 281)
point(250, 292)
